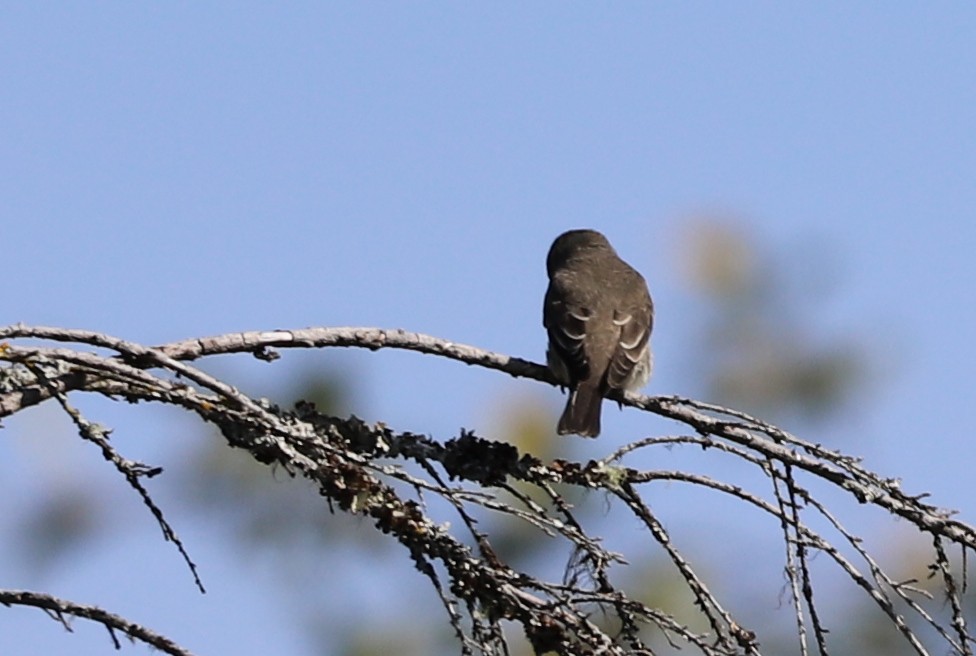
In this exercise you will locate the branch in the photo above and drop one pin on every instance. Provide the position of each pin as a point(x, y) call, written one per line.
point(58, 608)
point(359, 469)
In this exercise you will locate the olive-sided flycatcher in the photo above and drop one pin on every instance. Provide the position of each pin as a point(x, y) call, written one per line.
point(599, 316)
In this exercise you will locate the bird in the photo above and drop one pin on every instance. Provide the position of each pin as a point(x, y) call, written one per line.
point(598, 315)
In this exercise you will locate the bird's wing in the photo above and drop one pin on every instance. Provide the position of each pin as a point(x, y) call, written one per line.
point(635, 331)
point(566, 324)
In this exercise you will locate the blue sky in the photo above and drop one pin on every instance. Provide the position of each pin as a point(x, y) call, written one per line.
point(176, 170)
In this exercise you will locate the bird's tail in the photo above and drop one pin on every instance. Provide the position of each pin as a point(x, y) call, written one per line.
point(582, 413)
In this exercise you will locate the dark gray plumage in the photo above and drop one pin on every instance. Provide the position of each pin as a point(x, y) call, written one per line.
point(599, 316)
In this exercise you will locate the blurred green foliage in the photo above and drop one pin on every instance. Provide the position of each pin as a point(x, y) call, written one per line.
point(763, 345)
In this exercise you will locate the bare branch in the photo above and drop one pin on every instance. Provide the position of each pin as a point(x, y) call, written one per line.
point(59, 608)
point(372, 470)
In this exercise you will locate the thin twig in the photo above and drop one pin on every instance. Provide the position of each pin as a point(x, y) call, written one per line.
point(58, 608)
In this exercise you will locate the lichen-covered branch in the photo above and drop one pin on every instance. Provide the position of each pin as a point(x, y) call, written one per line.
point(388, 476)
